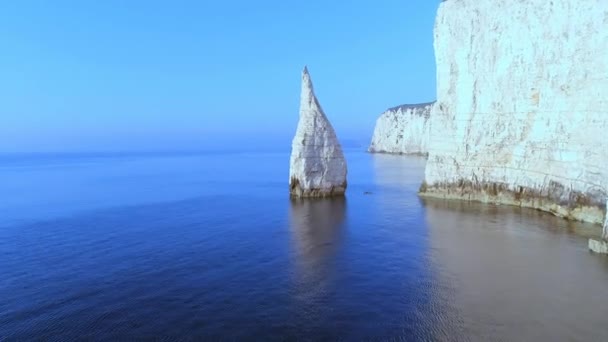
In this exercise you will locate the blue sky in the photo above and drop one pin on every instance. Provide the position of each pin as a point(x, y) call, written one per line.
point(162, 75)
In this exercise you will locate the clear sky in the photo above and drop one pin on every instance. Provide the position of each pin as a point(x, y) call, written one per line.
point(193, 75)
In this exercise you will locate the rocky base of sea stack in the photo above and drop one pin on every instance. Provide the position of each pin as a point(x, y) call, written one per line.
point(295, 190)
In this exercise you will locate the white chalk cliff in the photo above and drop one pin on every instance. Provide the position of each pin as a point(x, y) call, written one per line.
point(317, 165)
point(403, 129)
point(522, 105)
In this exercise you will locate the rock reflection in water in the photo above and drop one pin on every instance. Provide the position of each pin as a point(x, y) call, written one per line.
point(316, 228)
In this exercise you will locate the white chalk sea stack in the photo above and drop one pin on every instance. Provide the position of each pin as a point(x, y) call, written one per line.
point(403, 130)
point(317, 164)
point(522, 105)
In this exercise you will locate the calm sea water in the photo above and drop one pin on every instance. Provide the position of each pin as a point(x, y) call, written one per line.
point(210, 247)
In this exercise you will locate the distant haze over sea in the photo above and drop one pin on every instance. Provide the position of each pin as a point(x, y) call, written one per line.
point(244, 143)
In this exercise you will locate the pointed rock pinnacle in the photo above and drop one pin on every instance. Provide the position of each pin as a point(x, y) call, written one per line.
point(317, 165)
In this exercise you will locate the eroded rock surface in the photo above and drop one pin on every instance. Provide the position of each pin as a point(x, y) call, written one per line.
point(317, 165)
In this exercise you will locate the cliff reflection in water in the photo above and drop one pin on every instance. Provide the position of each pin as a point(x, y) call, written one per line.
point(316, 227)
point(507, 267)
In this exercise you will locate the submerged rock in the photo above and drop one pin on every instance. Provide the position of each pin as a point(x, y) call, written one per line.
point(317, 165)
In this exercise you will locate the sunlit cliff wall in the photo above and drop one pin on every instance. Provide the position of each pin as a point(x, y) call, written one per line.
point(522, 105)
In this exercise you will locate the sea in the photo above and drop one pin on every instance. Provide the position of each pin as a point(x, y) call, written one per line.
point(208, 246)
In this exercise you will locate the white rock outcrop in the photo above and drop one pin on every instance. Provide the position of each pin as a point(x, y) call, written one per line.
point(605, 231)
point(317, 165)
point(601, 245)
point(522, 105)
point(403, 130)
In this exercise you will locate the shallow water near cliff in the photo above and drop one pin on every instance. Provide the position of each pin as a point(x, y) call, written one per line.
point(209, 246)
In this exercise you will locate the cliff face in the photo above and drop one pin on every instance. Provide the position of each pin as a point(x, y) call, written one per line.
point(522, 105)
point(403, 129)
